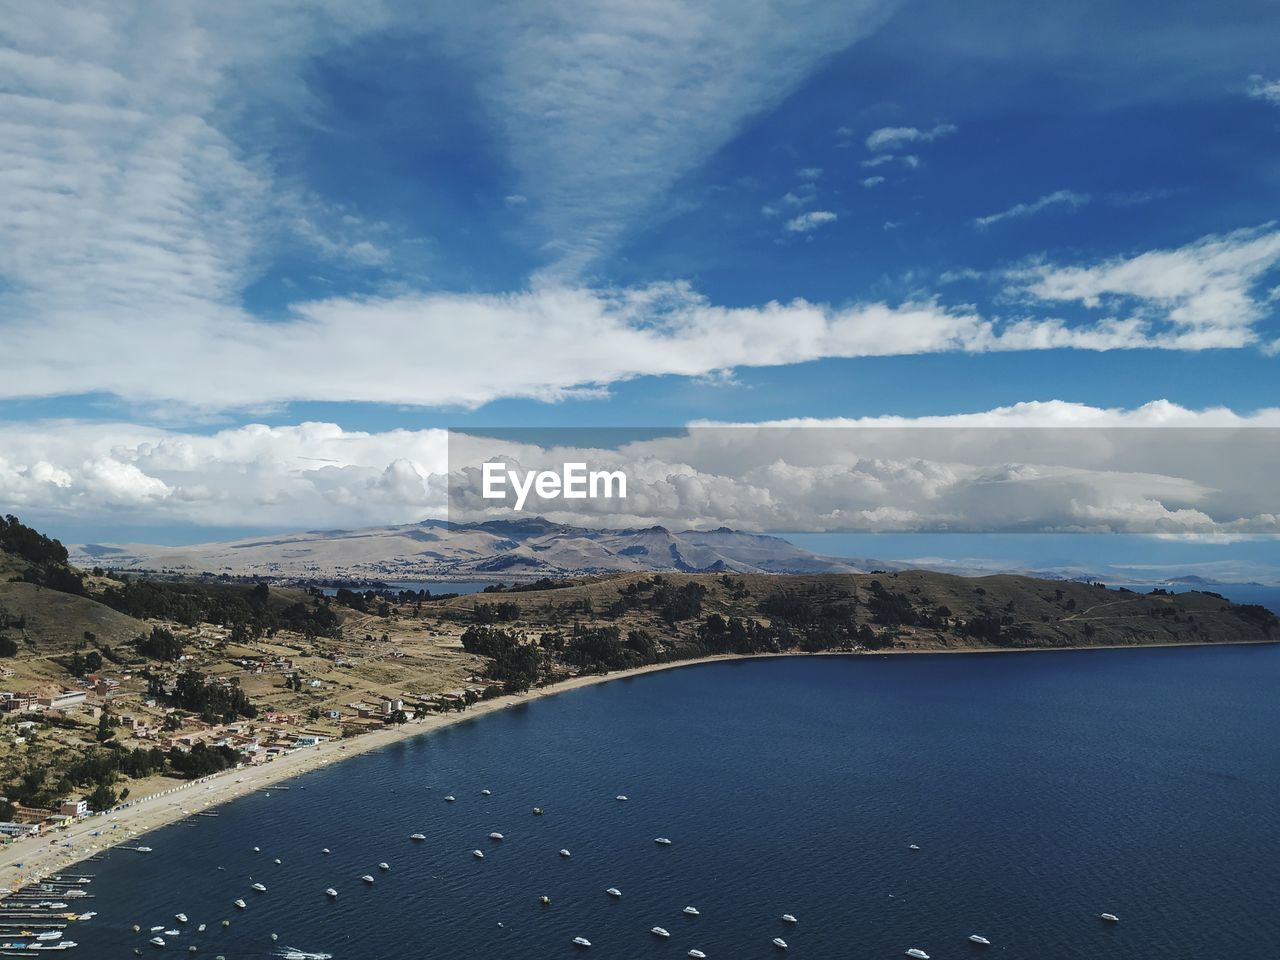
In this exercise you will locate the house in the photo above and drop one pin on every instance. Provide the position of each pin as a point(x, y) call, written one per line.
point(391, 705)
point(19, 829)
point(17, 702)
point(73, 808)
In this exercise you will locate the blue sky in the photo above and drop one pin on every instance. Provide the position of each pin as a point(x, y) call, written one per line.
point(387, 219)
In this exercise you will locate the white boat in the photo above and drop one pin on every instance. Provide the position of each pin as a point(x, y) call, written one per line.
point(565, 853)
point(325, 850)
point(1110, 918)
point(581, 942)
point(384, 866)
point(621, 796)
point(478, 854)
point(659, 932)
point(486, 793)
point(788, 918)
point(240, 904)
point(662, 840)
point(495, 836)
point(614, 892)
point(537, 811)
point(417, 836)
point(450, 798)
point(917, 953)
point(780, 943)
point(913, 846)
point(330, 892)
point(201, 928)
point(49, 935)
point(276, 861)
point(180, 917)
point(257, 849)
point(696, 953)
point(171, 933)
point(367, 879)
point(981, 941)
point(259, 887)
point(692, 911)
point(156, 929)
point(157, 941)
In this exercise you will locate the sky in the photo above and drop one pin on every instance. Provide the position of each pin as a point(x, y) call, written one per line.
point(254, 257)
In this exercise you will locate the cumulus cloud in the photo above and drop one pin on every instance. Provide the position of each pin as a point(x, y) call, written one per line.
point(1206, 291)
point(894, 138)
point(872, 182)
point(1059, 198)
point(1051, 466)
point(807, 222)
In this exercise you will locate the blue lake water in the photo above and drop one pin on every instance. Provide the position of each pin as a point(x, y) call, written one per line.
point(1042, 789)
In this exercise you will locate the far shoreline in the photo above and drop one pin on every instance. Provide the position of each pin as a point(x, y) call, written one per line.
point(41, 857)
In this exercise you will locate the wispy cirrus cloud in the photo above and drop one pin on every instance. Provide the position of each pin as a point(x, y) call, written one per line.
point(1059, 198)
point(894, 138)
point(810, 221)
point(1261, 88)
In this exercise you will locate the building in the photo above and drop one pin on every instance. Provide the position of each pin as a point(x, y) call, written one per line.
point(63, 700)
point(19, 829)
point(73, 808)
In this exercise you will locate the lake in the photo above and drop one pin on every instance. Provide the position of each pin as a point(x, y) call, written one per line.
point(1042, 789)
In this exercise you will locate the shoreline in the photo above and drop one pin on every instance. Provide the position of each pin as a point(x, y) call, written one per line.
point(29, 860)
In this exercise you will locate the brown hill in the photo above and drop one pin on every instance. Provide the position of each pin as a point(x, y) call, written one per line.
point(899, 610)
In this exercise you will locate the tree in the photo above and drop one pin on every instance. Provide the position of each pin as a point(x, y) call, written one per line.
point(398, 717)
point(102, 798)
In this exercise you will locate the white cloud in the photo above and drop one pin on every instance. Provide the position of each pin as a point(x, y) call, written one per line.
point(515, 200)
point(878, 160)
point(1052, 465)
point(1263, 89)
point(809, 173)
point(892, 138)
point(872, 182)
point(810, 221)
point(1205, 291)
point(604, 106)
point(554, 342)
point(1058, 198)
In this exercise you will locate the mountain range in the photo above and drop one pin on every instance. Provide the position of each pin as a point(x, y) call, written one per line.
point(526, 548)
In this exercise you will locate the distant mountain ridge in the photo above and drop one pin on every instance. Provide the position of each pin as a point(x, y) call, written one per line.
point(534, 547)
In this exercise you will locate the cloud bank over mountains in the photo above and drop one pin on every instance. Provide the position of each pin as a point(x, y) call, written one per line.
point(1158, 469)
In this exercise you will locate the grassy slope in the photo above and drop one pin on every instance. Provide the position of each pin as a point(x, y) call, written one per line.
point(1098, 617)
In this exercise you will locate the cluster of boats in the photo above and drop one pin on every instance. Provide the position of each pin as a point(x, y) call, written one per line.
point(40, 915)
